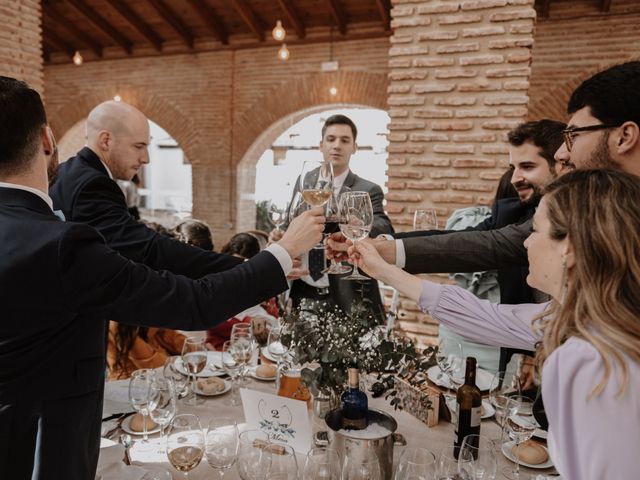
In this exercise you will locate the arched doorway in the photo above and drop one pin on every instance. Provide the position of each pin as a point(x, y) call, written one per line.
point(271, 165)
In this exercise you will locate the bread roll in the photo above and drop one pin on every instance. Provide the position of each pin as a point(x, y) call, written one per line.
point(136, 424)
point(530, 452)
point(211, 385)
point(266, 371)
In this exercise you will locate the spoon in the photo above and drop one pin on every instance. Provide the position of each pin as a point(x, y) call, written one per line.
point(125, 440)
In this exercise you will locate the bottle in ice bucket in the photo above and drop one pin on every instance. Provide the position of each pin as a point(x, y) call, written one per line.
point(354, 403)
point(469, 407)
point(289, 383)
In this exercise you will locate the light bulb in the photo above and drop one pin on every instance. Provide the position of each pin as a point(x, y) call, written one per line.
point(117, 98)
point(278, 33)
point(333, 91)
point(283, 53)
point(77, 58)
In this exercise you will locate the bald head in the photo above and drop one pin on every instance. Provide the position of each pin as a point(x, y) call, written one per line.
point(119, 134)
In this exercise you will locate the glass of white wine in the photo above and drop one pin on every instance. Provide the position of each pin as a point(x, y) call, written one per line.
point(316, 182)
point(356, 219)
point(185, 443)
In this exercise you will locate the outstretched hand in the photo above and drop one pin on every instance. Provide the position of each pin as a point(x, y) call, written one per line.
point(304, 232)
point(366, 257)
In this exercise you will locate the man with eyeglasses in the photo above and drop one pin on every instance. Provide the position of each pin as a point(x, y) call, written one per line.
point(603, 132)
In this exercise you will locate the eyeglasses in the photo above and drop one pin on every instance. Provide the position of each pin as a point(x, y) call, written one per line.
point(571, 132)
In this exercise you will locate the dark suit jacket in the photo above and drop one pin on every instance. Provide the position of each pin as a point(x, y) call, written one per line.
point(86, 194)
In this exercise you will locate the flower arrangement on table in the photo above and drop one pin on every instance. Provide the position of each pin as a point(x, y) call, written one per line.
point(333, 340)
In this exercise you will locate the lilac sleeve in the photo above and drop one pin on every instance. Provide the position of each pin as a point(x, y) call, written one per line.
point(480, 320)
point(591, 438)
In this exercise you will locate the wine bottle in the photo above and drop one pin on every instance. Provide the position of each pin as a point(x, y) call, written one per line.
point(469, 407)
point(354, 403)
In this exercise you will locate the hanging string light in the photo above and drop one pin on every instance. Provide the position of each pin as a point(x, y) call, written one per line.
point(278, 33)
point(283, 53)
point(77, 58)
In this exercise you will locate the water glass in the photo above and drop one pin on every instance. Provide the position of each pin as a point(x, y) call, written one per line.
point(361, 465)
point(284, 465)
point(221, 446)
point(141, 396)
point(231, 368)
point(194, 359)
point(185, 443)
point(321, 464)
point(519, 425)
point(416, 464)
point(164, 395)
point(477, 458)
point(254, 457)
point(503, 386)
point(425, 219)
point(178, 376)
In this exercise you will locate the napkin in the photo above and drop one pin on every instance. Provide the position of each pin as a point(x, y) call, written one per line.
point(111, 466)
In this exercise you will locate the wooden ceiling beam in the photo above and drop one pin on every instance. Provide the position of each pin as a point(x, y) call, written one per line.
point(605, 6)
point(136, 22)
point(384, 7)
point(249, 18)
point(544, 9)
point(55, 41)
point(172, 19)
point(292, 17)
point(61, 20)
point(211, 18)
point(95, 18)
point(338, 16)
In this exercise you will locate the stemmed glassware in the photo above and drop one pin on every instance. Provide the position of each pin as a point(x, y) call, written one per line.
point(274, 343)
point(242, 346)
point(519, 425)
point(503, 386)
point(284, 465)
point(361, 465)
point(332, 225)
point(164, 395)
point(356, 219)
point(185, 443)
point(321, 464)
point(477, 458)
point(194, 359)
point(447, 468)
point(142, 397)
point(231, 368)
point(425, 219)
point(178, 376)
point(316, 182)
point(416, 464)
point(278, 214)
point(254, 456)
point(449, 358)
point(221, 447)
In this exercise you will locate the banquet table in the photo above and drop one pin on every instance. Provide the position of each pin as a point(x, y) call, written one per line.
point(438, 438)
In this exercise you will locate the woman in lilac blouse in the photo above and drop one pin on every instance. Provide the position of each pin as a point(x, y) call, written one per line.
point(585, 253)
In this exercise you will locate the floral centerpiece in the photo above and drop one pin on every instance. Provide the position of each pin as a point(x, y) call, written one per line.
point(331, 341)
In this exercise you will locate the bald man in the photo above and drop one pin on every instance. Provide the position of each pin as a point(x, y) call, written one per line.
point(85, 190)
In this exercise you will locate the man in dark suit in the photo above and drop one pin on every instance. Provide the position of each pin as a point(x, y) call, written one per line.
point(60, 282)
point(337, 145)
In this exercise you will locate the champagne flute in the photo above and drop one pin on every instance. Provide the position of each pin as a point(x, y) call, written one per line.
point(503, 386)
point(254, 457)
point(221, 447)
point(185, 443)
point(477, 458)
point(180, 378)
point(356, 219)
point(141, 396)
point(194, 358)
point(231, 367)
point(425, 219)
point(332, 225)
point(316, 182)
point(321, 464)
point(416, 464)
point(164, 395)
point(519, 425)
point(284, 465)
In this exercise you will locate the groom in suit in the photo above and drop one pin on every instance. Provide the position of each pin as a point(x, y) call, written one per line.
point(60, 282)
point(337, 145)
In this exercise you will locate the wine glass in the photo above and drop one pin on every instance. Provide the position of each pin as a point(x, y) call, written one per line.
point(321, 464)
point(447, 468)
point(416, 464)
point(316, 182)
point(503, 386)
point(332, 225)
point(284, 465)
point(178, 376)
point(519, 425)
point(425, 219)
point(448, 358)
point(278, 214)
point(477, 458)
point(194, 359)
point(254, 457)
point(361, 465)
point(274, 343)
point(164, 395)
point(141, 396)
point(185, 443)
point(356, 219)
point(221, 447)
point(232, 368)
point(242, 349)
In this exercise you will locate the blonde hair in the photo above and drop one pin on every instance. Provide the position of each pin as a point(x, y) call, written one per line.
point(599, 211)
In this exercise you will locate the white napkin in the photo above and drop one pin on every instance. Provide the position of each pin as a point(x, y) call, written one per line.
point(111, 466)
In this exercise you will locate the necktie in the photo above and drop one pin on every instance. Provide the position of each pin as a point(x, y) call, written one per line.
point(60, 215)
point(316, 263)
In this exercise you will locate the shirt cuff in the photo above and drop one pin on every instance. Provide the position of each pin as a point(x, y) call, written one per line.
point(386, 236)
point(401, 257)
point(430, 296)
point(283, 257)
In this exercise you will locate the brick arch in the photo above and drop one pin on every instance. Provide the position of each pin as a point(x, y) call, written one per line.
point(160, 111)
point(554, 103)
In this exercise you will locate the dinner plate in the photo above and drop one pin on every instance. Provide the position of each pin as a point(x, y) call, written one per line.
point(253, 374)
point(506, 451)
point(227, 387)
point(268, 355)
point(213, 368)
point(489, 410)
point(126, 426)
point(483, 378)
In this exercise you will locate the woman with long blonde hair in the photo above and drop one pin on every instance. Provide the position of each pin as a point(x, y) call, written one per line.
point(585, 253)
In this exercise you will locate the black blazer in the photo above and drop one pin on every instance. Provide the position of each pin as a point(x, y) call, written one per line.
point(85, 193)
point(59, 281)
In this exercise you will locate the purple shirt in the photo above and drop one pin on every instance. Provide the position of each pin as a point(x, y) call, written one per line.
point(589, 438)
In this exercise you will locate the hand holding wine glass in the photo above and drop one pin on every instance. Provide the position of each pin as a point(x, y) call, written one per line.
point(316, 182)
point(356, 219)
point(332, 225)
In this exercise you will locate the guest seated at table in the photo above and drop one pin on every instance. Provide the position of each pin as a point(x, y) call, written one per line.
point(584, 253)
point(131, 347)
point(194, 232)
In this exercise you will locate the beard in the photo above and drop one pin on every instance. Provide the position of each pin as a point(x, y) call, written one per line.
point(535, 197)
point(600, 157)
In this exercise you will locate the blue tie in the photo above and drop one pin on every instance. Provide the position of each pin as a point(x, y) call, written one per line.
point(60, 215)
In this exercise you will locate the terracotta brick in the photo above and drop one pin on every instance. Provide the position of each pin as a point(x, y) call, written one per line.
point(458, 48)
point(438, 8)
point(394, 209)
point(403, 197)
point(473, 163)
point(397, 137)
point(410, 75)
point(482, 31)
point(499, 125)
point(474, 137)
point(482, 4)
point(399, 62)
point(476, 113)
point(501, 44)
point(428, 137)
point(433, 62)
point(395, 185)
point(398, 113)
point(472, 187)
point(518, 28)
point(448, 174)
point(450, 149)
point(412, 50)
point(437, 35)
point(431, 162)
point(459, 125)
point(405, 174)
point(516, 85)
point(398, 88)
point(404, 149)
point(484, 199)
point(394, 161)
point(494, 176)
point(481, 60)
point(410, 22)
point(459, 19)
point(452, 198)
point(432, 113)
point(455, 101)
point(427, 185)
point(516, 15)
point(455, 73)
point(492, 149)
point(405, 101)
point(434, 88)
point(511, 100)
point(402, 11)
point(479, 86)
point(519, 57)
point(508, 72)
point(394, 39)
point(406, 125)
point(514, 112)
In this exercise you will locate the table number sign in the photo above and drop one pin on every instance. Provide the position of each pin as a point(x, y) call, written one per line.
point(285, 420)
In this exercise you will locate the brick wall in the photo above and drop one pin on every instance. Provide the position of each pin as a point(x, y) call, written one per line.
point(459, 76)
point(21, 41)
